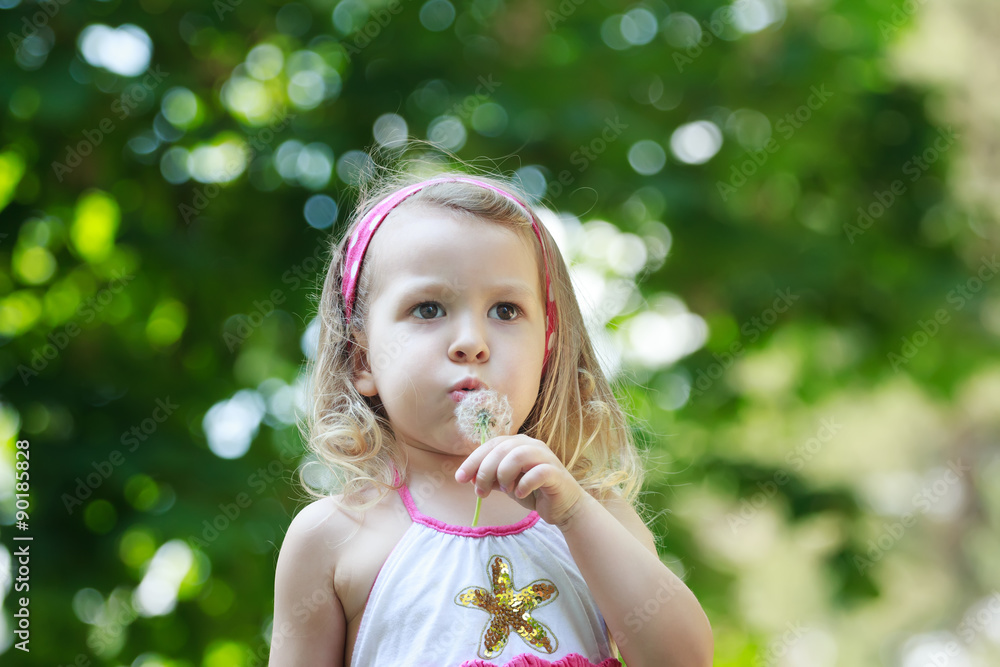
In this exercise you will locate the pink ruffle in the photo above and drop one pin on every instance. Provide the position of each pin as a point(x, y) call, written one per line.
point(527, 660)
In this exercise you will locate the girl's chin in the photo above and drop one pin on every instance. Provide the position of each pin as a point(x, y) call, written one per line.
point(466, 447)
point(457, 448)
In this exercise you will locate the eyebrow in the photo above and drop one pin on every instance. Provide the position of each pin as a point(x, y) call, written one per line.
point(517, 289)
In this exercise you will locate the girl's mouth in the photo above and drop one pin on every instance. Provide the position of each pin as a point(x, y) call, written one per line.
point(461, 394)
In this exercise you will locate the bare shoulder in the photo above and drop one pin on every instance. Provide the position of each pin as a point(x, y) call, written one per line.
point(622, 510)
point(309, 624)
point(322, 521)
point(317, 537)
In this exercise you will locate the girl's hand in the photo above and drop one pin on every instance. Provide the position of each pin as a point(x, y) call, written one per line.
point(526, 470)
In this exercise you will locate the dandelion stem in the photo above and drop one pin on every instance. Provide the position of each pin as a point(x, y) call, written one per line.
point(475, 517)
point(482, 415)
point(483, 426)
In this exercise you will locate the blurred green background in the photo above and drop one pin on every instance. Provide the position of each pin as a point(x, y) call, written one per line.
point(783, 222)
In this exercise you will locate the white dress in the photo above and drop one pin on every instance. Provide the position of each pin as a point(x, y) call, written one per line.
point(456, 596)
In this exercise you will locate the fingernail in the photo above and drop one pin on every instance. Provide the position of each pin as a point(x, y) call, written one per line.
point(461, 475)
point(503, 488)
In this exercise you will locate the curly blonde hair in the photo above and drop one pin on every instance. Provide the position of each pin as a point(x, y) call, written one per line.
point(576, 412)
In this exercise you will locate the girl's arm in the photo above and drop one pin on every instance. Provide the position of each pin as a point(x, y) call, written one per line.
point(309, 626)
point(653, 616)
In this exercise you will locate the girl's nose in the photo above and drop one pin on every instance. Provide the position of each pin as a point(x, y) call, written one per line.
point(469, 343)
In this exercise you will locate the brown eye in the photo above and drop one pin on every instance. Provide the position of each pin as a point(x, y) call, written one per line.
point(506, 311)
point(426, 311)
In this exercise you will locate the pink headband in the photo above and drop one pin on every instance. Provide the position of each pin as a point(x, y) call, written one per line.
point(363, 235)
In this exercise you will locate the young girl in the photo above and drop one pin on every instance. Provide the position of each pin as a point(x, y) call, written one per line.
point(440, 288)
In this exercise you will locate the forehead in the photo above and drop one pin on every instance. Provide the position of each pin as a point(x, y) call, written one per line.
point(418, 240)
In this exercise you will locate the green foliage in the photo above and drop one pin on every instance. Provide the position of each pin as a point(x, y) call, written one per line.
point(844, 278)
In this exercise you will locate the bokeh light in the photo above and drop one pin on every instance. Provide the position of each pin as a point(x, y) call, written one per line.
point(681, 30)
point(124, 50)
point(697, 142)
point(320, 211)
point(390, 130)
point(33, 50)
point(437, 15)
point(353, 165)
point(166, 323)
point(221, 161)
point(95, 225)
point(752, 16)
point(489, 119)
point(448, 132)
point(638, 26)
point(156, 594)
point(751, 128)
point(265, 61)
point(182, 108)
point(232, 424)
point(647, 157)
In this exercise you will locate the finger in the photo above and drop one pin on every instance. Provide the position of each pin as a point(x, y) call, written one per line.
point(534, 479)
point(486, 475)
point(467, 471)
point(520, 460)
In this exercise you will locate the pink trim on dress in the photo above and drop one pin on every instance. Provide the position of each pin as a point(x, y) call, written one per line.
point(465, 531)
point(527, 660)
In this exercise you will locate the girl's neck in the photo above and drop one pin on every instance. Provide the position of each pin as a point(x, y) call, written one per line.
point(422, 463)
point(430, 477)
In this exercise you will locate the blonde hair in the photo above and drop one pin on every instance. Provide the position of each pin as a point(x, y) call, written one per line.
point(576, 414)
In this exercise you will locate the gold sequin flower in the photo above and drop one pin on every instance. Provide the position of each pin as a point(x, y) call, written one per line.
point(510, 609)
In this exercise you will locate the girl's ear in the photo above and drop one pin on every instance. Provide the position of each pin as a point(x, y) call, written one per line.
point(361, 373)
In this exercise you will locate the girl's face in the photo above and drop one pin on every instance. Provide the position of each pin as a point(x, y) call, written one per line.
point(454, 297)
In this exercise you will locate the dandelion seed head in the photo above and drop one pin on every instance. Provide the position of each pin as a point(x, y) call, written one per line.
point(484, 410)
